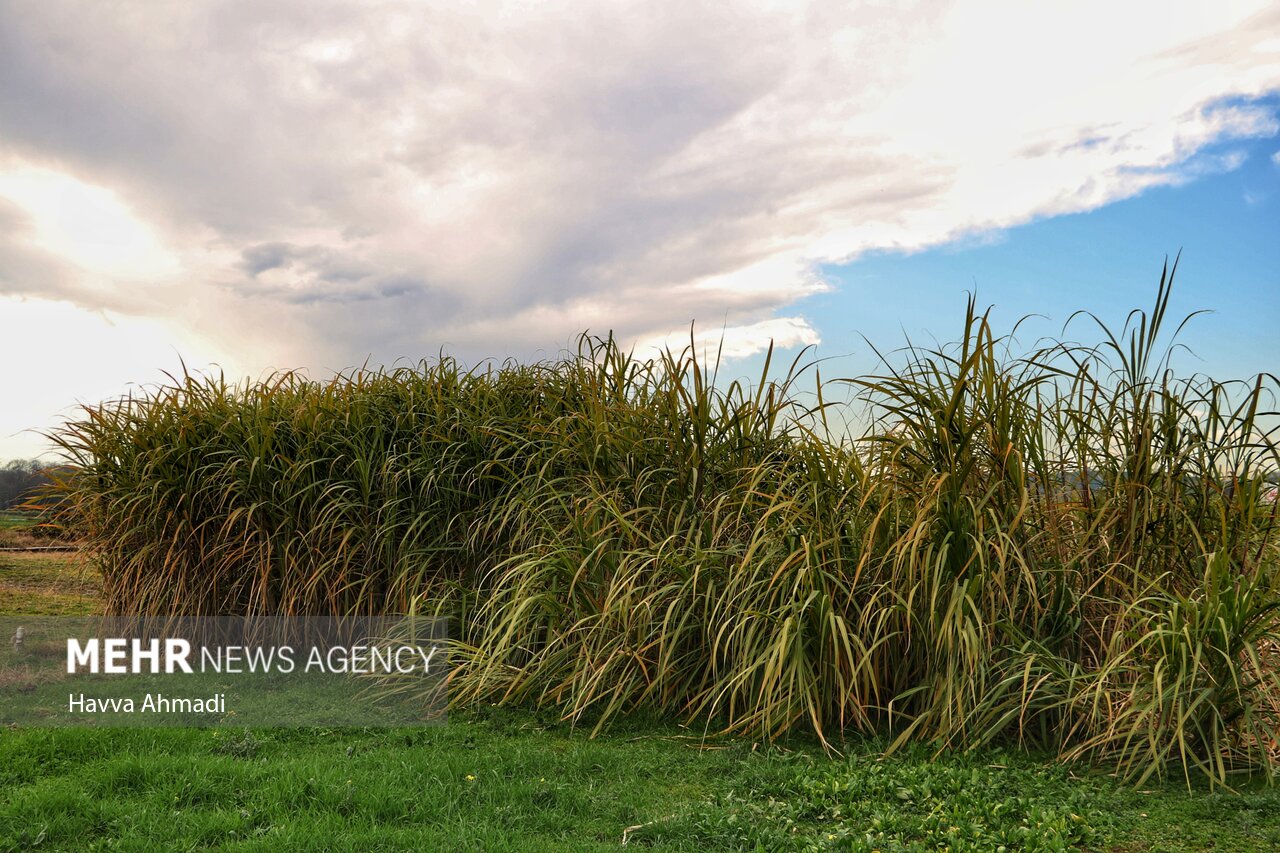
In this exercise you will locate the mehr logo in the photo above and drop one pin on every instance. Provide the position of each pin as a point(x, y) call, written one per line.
point(135, 656)
point(124, 656)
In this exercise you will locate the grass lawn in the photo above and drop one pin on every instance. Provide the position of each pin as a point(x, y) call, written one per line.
point(47, 584)
point(497, 779)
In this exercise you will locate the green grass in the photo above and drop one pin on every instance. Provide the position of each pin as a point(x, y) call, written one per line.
point(509, 779)
point(518, 780)
point(13, 520)
point(48, 584)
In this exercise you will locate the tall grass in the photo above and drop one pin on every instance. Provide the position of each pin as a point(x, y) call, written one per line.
point(1066, 546)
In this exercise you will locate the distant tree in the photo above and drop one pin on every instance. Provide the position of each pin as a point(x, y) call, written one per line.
point(19, 480)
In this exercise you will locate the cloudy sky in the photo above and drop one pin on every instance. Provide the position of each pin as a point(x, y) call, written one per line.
point(317, 184)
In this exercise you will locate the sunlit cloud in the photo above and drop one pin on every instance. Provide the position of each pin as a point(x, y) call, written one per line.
point(729, 343)
point(71, 355)
point(84, 224)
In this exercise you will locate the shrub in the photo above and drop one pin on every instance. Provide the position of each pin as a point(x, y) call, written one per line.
point(1065, 546)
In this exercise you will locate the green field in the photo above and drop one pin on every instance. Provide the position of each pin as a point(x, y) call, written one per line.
point(12, 520)
point(48, 584)
point(511, 779)
point(515, 781)
point(20, 530)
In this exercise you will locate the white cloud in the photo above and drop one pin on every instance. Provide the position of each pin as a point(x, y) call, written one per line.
point(61, 355)
point(83, 224)
point(729, 343)
point(307, 184)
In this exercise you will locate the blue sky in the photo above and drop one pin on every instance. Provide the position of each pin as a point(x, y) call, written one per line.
point(249, 187)
point(1225, 223)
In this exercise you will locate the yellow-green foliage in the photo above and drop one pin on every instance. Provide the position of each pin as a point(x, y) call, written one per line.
point(1066, 546)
